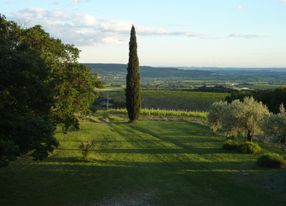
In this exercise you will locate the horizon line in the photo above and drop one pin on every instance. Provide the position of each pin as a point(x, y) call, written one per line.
point(226, 67)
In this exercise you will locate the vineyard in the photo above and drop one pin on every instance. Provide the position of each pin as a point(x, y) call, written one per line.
point(162, 113)
point(164, 99)
point(180, 100)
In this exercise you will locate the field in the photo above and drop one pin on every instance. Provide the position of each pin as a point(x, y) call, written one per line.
point(162, 113)
point(182, 100)
point(143, 163)
point(193, 77)
point(165, 99)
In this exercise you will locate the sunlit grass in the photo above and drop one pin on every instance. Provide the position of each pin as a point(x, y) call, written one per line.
point(163, 112)
point(157, 162)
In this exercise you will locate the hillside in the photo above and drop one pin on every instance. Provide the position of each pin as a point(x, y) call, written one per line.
point(118, 71)
point(145, 163)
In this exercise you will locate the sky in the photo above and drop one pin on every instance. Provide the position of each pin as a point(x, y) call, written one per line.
point(185, 33)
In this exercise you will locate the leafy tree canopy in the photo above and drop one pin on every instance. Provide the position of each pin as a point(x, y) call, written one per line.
point(41, 85)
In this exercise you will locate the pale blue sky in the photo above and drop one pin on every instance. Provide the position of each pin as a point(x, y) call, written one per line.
point(236, 33)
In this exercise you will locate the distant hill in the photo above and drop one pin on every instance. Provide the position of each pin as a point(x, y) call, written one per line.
point(147, 71)
point(112, 72)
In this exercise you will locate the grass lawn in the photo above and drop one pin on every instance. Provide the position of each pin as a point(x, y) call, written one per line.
point(144, 163)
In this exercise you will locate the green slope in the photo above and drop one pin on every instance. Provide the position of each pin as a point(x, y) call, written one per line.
point(145, 163)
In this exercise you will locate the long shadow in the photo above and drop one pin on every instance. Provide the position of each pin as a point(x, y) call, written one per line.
point(195, 166)
point(185, 147)
point(153, 151)
point(71, 183)
point(136, 139)
point(171, 140)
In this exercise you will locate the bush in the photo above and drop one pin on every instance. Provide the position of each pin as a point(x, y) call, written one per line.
point(230, 145)
point(249, 148)
point(272, 160)
point(86, 148)
point(8, 152)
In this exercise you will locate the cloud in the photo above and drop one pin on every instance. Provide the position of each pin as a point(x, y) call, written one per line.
point(76, 1)
point(85, 29)
point(283, 1)
point(239, 7)
point(245, 36)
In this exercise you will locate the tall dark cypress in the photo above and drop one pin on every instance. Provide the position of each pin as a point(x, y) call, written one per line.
point(133, 99)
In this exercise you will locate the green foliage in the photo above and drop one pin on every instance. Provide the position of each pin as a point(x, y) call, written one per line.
point(72, 84)
point(249, 148)
point(25, 94)
point(238, 117)
point(41, 85)
point(162, 99)
point(217, 114)
point(272, 160)
point(271, 98)
point(8, 151)
point(248, 115)
point(86, 148)
point(180, 100)
point(274, 126)
point(231, 145)
point(75, 93)
point(133, 97)
point(162, 112)
point(245, 147)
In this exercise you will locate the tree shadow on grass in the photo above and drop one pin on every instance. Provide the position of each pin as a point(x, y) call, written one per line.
point(190, 164)
point(68, 181)
point(152, 151)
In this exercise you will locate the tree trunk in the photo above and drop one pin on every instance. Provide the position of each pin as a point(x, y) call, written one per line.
point(283, 140)
point(249, 136)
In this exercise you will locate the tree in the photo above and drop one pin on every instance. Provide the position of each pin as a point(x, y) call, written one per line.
point(217, 115)
point(274, 126)
point(41, 85)
point(271, 98)
point(248, 115)
point(133, 98)
point(25, 97)
point(72, 84)
point(239, 117)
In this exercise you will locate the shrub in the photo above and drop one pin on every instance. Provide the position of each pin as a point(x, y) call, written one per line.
point(230, 145)
point(86, 148)
point(272, 160)
point(249, 148)
point(8, 152)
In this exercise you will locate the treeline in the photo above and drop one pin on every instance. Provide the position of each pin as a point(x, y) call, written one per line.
point(248, 118)
point(42, 86)
point(271, 98)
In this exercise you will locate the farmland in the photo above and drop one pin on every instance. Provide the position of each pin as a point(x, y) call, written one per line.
point(185, 100)
point(142, 103)
point(143, 163)
point(193, 77)
point(166, 99)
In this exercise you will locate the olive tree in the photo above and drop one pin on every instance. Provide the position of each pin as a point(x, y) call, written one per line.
point(239, 117)
point(248, 115)
point(217, 115)
point(274, 126)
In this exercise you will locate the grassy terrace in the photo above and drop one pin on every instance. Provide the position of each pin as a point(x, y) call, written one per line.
point(148, 162)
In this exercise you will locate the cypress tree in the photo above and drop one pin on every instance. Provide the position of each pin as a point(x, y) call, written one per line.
point(133, 99)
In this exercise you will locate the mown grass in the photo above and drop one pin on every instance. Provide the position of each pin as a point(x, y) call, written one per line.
point(143, 163)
